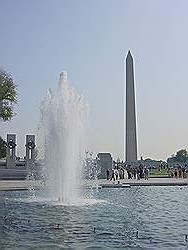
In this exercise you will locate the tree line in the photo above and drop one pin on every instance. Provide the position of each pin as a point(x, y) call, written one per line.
point(8, 97)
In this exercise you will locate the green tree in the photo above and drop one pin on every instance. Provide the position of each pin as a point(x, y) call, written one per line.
point(182, 155)
point(2, 148)
point(8, 95)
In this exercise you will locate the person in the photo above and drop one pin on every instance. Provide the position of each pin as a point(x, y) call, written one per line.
point(121, 173)
point(107, 174)
point(125, 174)
point(183, 172)
point(146, 173)
point(113, 176)
point(180, 172)
point(175, 173)
point(129, 174)
point(134, 172)
point(141, 172)
point(171, 174)
point(138, 173)
point(116, 172)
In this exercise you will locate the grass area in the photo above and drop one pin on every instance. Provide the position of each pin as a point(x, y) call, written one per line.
point(156, 172)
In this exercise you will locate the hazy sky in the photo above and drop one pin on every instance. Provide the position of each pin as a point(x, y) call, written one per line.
point(89, 39)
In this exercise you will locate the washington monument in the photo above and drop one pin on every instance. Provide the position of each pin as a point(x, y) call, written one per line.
point(130, 136)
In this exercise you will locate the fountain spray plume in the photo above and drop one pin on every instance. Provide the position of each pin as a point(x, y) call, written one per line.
point(64, 120)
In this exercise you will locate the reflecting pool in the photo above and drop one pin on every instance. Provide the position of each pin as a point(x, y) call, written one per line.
point(131, 218)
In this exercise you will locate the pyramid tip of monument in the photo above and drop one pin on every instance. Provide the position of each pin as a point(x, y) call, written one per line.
point(129, 53)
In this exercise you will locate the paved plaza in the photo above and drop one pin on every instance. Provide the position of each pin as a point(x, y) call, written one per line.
point(19, 185)
point(102, 183)
point(150, 182)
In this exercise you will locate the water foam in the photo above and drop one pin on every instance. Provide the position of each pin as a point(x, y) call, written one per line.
point(64, 116)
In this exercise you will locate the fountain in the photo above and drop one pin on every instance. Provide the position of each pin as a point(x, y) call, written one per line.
point(64, 124)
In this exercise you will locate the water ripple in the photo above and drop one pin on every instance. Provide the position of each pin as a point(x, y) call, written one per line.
point(135, 218)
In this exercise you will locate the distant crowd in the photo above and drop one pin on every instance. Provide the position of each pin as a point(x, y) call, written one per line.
point(180, 172)
point(142, 172)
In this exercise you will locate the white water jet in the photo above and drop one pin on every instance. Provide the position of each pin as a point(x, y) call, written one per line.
point(64, 117)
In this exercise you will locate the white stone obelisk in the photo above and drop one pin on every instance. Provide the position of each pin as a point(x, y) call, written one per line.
point(130, 137)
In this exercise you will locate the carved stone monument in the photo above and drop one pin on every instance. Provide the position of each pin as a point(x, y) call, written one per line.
point(105, 162)
point(11, 151)
point(30, 148)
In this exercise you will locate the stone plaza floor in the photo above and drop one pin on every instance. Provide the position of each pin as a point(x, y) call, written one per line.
point(150, 182)
point(12, 185)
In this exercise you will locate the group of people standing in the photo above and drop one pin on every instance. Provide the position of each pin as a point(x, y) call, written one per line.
point(130, 172)
point(179, 172)
point(142, 172)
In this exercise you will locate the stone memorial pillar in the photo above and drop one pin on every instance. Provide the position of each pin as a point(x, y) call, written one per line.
point(30, 147)
point(11, 151)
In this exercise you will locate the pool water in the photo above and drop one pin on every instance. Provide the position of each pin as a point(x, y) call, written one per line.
point(129, 218)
